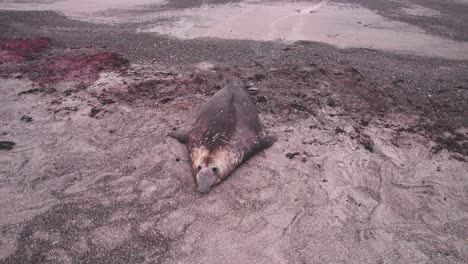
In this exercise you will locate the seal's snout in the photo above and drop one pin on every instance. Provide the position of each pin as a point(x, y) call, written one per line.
point(205, 179)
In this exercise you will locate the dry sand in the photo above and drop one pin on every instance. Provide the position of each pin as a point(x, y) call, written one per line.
point(114, 188)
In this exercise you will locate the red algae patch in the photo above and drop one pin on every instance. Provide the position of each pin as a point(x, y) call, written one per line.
point(74, 66)
point(19, 50)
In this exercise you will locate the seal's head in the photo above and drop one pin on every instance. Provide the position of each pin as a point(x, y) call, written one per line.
point(211, 167)
point(206, 177)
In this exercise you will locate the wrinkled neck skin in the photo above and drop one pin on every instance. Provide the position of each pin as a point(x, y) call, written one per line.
point(224, 159)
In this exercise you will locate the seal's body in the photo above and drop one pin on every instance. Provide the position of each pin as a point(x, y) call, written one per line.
point(225, 134)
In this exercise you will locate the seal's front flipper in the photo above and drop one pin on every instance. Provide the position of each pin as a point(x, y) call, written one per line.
point(267, 141)
point(181, 136)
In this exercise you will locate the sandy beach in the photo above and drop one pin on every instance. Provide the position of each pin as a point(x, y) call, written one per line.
point(369, 100)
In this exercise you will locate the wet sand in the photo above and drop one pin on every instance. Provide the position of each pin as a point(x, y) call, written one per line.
point(370, 165)
point(343, 25)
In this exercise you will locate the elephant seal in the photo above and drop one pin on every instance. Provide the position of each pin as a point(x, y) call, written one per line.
point(226, 133)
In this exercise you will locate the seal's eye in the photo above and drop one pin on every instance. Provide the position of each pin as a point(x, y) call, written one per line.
point(199, 167)
point(214, 169)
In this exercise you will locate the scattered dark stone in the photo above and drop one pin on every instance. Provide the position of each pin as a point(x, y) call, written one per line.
point(295, 199)
point(367, 142)
point(253, 90)
point(50, 90)
point(261, 99)
point(332, 102)
point(107, 101)
point(462, 87)
point(257, 77)
point(409, 129)
point(300, 107)
point(445, 198)
point(30, 91)
point(166, 100)
point(324, 180)
point(66, 108)
point(249, 84)
point(71, 108)
point(395, 143)
point(174, 128)
point(440, 91)
point(198, 80)
point(292, 155)
point(7, 145)
point(300, 95)
point(354, 136)
point(365, 122)
point(210, 93)
point(94, 111)
point(18, 76)
point(111, 131)
point(337, 72)
point(177, 159)
point(398, 81)
point(304, 159)
point(339, 130)
point(27, 119)
point(438, 168)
